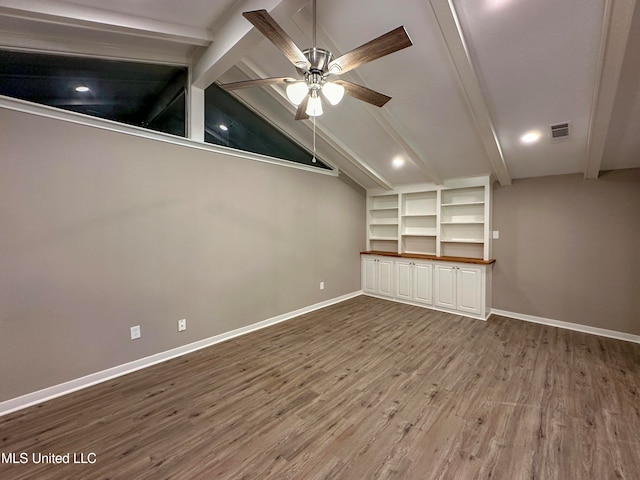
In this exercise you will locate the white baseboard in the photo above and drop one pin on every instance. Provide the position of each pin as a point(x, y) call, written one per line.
point(603, 332)
point(65, 388)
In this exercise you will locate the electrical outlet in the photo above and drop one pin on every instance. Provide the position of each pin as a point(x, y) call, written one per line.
point(321, 285)
point(136, 332)
point(182, 325)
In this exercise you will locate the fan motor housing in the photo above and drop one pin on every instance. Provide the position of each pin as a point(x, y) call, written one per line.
point(319, 59)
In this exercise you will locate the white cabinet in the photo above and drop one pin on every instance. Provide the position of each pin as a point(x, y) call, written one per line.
point(463, 288)
point(377, 275)
point(460, 287)
point(414, 281)
point(444, 283)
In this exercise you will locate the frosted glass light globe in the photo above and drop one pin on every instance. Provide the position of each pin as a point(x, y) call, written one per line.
point(296, 92)
point(333, 92)
point(314, 106)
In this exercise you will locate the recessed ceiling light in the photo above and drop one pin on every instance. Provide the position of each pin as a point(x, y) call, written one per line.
point(497, 4)
point(82, 89)
point(530, 137)
point(223, 127)
point(397, 162)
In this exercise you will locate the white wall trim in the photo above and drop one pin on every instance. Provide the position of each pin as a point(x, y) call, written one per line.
point(65, 388)
point(603, 332)
point(23, 106)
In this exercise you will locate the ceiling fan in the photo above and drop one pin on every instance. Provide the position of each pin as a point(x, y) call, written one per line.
point(317, 66)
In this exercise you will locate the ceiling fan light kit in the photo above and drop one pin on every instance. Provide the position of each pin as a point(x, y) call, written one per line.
point(316, 66)
point(296, 92)
point(314, 105)
point(333, 92)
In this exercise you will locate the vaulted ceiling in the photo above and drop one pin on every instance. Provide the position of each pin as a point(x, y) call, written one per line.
point(480, 74)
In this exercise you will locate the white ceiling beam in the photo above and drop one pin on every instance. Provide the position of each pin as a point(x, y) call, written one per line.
point(385, 119)
point(451, 30)
point(253, 71)
point(236, 37)
point(29, 41)
point(60, 13)
point(616, 26)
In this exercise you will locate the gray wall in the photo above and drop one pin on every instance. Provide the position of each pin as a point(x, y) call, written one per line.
point(569, 249)
point(102, 231)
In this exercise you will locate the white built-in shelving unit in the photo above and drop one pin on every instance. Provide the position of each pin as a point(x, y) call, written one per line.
point(382, 222)
point(449, 220)
point(429, 245)
point(462, 222)
point(419, 222)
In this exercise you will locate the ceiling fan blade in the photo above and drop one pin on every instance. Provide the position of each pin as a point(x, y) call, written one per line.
point(363, 93)
point(390, 42)
point(257, 83)
point(301, 113)
point(274, 33)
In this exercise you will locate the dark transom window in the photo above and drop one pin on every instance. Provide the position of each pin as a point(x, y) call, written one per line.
point(230, 123)
point(142, 94)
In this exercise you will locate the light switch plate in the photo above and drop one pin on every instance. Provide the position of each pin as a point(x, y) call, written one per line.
point(136, 332)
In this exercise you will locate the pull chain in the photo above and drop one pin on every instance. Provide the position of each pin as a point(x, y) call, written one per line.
point(314, 140)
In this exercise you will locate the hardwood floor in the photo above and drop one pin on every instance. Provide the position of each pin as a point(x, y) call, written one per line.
point(364, 389)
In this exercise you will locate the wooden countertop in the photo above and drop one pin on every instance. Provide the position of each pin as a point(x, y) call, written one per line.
point(418, 256)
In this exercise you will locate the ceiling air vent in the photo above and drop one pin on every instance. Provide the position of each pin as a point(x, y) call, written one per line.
point(559, 131)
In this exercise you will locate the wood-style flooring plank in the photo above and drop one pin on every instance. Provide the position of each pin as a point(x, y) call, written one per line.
point(365, 389)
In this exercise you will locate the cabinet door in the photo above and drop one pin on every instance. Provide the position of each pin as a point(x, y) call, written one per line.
point(403, 280)
point(445, 286)
point(369, 274)
point(423, 283)
point(469, 289)
point(385, 277)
